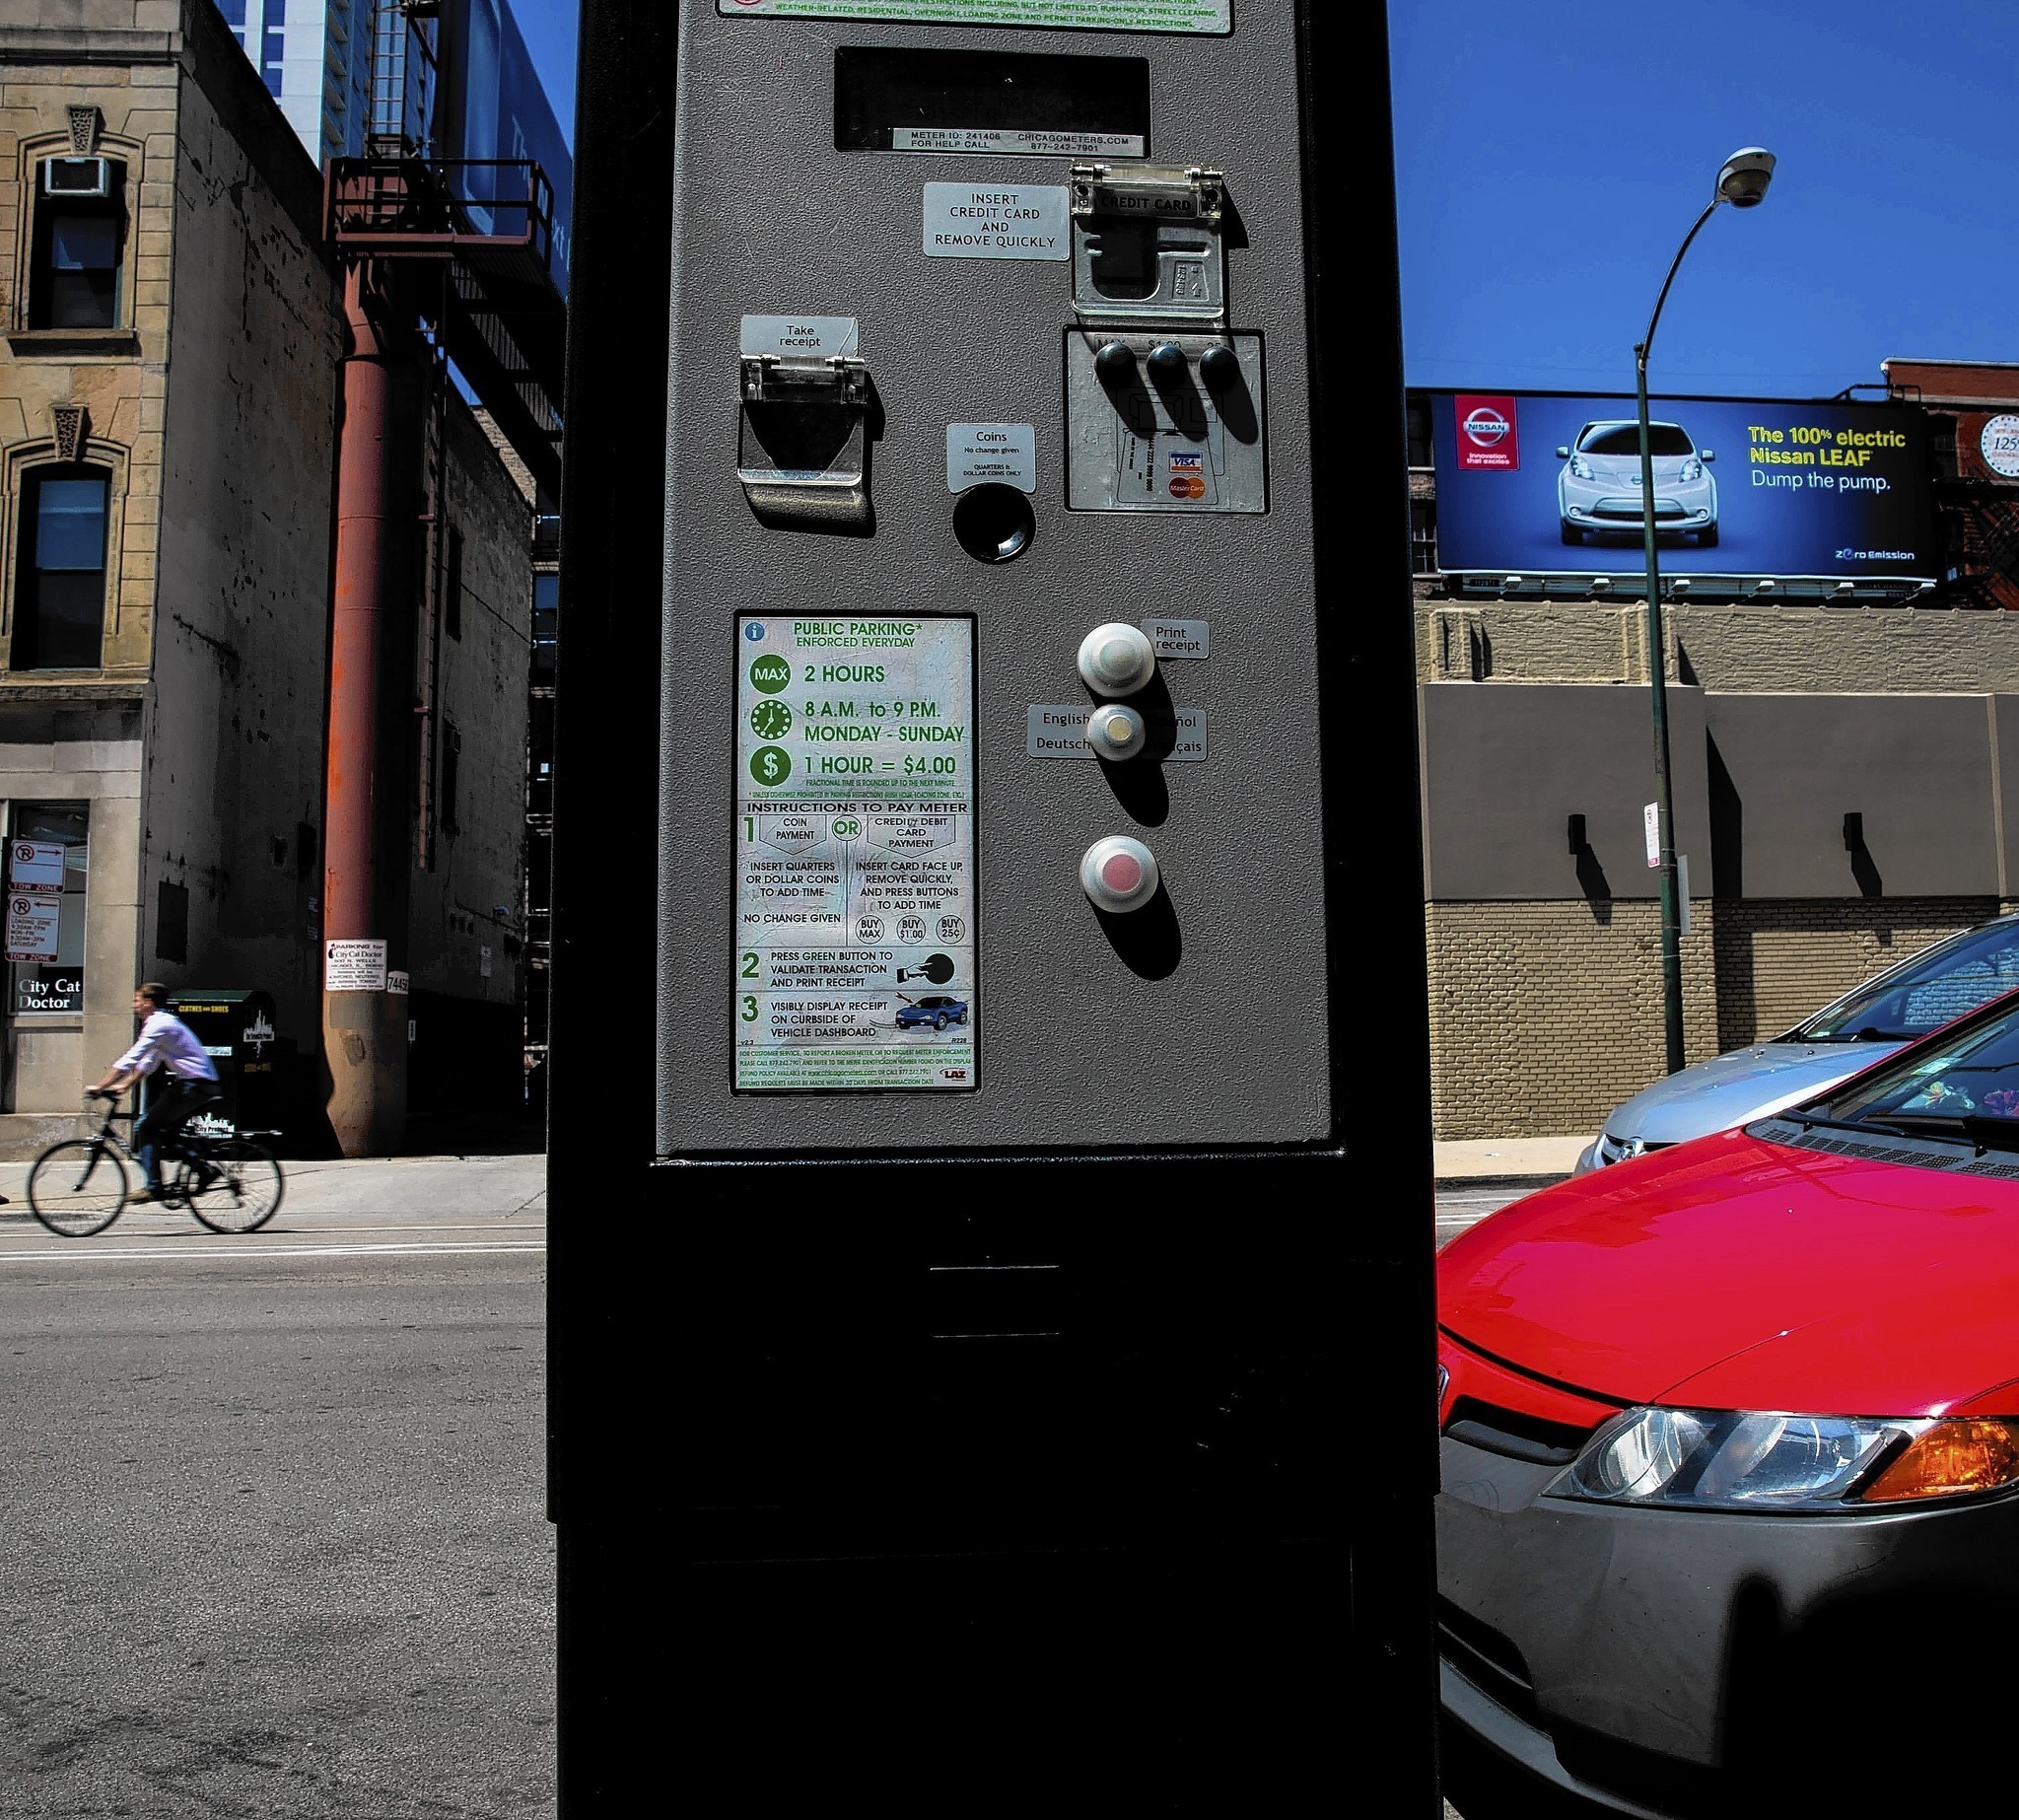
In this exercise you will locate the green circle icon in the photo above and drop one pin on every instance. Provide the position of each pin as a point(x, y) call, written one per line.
point(771, 764)
point(771, 720)
point(770, 673)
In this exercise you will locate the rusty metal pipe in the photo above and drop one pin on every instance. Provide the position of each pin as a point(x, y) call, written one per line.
point(362, 1032)
point(367, 464)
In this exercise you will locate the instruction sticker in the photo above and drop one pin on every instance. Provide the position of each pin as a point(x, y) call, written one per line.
point(855, 958)
point(1003, 454)
point(1197, 16)
point(991, 221)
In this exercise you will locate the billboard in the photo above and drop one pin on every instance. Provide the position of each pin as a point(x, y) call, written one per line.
point(1549, 483)
point(491, 104)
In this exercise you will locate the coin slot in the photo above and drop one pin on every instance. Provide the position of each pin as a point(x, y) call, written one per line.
point(994, 523)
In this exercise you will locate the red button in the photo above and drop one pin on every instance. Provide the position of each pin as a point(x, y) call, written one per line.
point(1121, 872)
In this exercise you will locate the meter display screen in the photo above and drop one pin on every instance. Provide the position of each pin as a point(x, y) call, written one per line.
point(969, 100)
point(855, 965)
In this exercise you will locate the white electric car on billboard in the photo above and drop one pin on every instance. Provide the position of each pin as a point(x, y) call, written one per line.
point(1598, 487)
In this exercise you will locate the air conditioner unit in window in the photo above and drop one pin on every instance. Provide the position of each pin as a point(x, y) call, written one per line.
point(77, 176)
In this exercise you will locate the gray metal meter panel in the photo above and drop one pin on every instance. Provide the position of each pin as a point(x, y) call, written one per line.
point(841, 393)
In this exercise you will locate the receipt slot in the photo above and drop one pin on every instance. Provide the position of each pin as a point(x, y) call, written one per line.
point(990, 1179)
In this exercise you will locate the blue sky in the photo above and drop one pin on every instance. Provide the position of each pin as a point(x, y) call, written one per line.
point(1551, 157)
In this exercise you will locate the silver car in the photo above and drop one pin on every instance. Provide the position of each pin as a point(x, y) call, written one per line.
point(1923, 991)
point(1598, 487)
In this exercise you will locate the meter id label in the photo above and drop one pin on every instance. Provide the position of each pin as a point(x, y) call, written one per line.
point(1212, 16)
point(1003, 139)
point(855, 962)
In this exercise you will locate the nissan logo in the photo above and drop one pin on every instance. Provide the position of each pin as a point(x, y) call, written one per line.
point(1486, 426)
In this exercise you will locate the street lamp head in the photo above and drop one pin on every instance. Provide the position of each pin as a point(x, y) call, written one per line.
point(1747, 172)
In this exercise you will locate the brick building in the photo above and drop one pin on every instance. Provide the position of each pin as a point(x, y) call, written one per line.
point(1844, 769)
point(168, 434)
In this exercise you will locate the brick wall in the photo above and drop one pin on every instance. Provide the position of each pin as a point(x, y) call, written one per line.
point(1543, 1016)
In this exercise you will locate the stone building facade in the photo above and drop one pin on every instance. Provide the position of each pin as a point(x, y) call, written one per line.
point(168, 434)
point(1846, 779)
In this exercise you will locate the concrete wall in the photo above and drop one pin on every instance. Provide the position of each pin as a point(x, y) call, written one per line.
point(1506, 768)
point(482, 683)
point(234, 723)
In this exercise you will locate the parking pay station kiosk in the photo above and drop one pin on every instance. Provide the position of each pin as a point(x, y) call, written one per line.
point(991, 1336)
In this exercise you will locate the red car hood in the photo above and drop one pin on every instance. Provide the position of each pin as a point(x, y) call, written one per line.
point(1735, 1273)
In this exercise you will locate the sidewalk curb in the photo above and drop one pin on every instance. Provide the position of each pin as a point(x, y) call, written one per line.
point(1446, 1183)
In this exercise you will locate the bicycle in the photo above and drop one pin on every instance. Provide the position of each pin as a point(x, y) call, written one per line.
point(79, 1186)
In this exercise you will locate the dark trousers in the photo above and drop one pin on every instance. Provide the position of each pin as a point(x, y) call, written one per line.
point(171, 1108)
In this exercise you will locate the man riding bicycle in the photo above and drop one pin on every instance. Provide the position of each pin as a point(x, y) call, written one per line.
point(165, 1042)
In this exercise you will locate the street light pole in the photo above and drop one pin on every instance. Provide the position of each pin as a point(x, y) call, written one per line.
point(1742, 182)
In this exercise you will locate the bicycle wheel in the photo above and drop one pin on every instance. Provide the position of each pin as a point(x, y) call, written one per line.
point(243, 1194)
point(77, 1187)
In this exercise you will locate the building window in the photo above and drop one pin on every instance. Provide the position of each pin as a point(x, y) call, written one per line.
point(80, 233)
point(1422, 536)
point(59, 597)
point(547, 627)
point(1416, 409)
point(48, 857)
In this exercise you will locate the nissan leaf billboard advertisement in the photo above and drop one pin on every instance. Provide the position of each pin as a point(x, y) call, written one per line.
point(1546, 483)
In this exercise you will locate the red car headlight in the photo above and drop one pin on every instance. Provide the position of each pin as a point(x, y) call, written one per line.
point(1740, 1460)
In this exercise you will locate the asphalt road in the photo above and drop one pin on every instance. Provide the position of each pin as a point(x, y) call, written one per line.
point(272, 1518)
point(273, 1530)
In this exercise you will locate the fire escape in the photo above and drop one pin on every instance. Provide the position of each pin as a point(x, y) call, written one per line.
point(466, 248)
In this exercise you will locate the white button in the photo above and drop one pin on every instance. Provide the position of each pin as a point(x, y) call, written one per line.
point(1116, 660)
point(1118, 873)
point(1115, 732)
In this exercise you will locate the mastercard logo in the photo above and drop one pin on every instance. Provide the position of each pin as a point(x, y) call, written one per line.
point(1188, 486)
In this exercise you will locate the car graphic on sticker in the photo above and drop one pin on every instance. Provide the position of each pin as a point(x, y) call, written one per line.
point(938, 1012)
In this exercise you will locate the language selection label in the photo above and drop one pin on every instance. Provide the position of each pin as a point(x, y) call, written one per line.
point(855, 964)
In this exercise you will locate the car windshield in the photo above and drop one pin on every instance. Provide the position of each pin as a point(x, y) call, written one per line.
point(1970, 1085)
point(1623, 439)
point(1924, 992)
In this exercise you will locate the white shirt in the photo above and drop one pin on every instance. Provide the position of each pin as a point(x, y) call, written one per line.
point(166, 1040)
